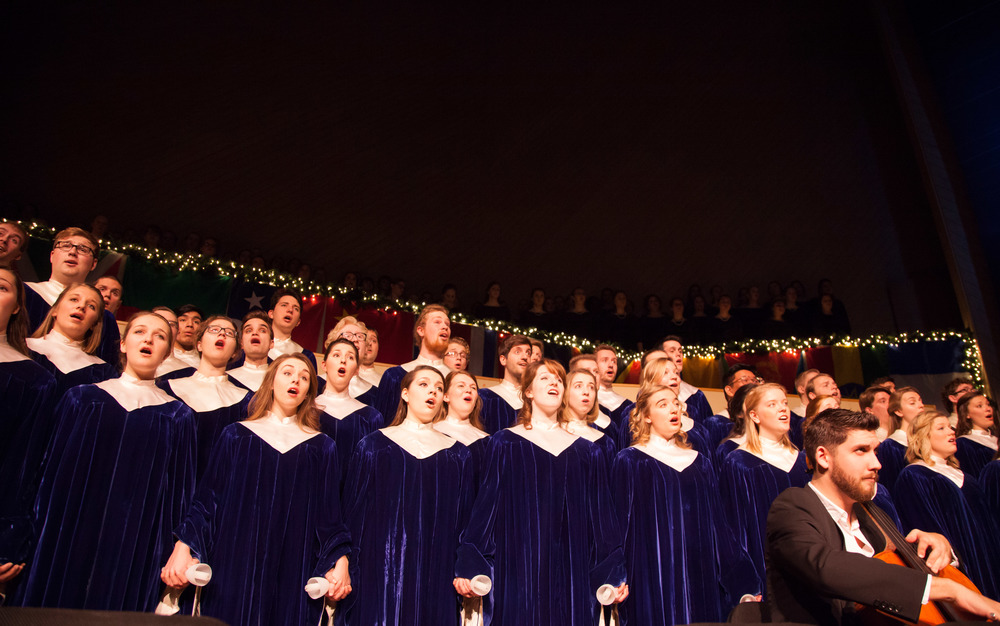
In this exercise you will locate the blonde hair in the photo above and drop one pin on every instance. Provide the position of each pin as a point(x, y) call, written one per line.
point(753, 400)
point(477, 408)
point(919, 438)
point(92, 338)
point(334, 334)
point(307, 414)
point(524, 416)
point(654, 371)
point(637, 424)
point(565, 410)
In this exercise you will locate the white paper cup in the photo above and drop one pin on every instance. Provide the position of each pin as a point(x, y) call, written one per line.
point(199, 574)
point(317, 586)
point(606, 595)
point(481, 585)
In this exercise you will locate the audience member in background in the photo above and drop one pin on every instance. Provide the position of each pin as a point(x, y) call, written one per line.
point(885, 381)
point(99, 226)
point(13, 243)
point(537, 350)
point(652, 325)
point(111, 290)
point(693, 398)
point(74, 255)
point(829, 317)
point(775, 326)
point(492, 308)
point(725, 326)
point(952, 393)
point(457, 356)
point(286, 315)
point(536, 316)
point(577, 320)
point(977, 433)
point(432, 333)
point(256, 342)
point(618, 323)
point(678, 325)
point(397, 289)
point(501, 402)
point(875, 400)
point(367, 371)
point(449, 297)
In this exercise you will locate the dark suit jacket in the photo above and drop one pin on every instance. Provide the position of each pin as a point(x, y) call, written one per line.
point(812, 579)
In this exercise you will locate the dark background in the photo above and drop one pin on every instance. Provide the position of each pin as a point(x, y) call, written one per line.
point(642, 148)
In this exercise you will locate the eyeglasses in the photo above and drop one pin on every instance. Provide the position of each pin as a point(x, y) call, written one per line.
point(219, 330)
point(457, 354)
point(352, 336)
point(81, 248)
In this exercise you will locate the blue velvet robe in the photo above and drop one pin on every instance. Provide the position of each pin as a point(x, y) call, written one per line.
point(266, 522)
point(405, 515)
point(96, 373)
point(722, 451)
point(719, 427)
point(108, 349)
point(210, 425)
point(388, 396)
point(795, 422)
point(683, 561)
point(115, 483)
point(699, 438)
point(973, 456)
point(347, 432)
point(892, 455)
point(883, 500)
point(990, 481)
point(369, 397)
point(620, 416)
point(698, 408)
point(749, 486)
point(931, 502)
point(27, 395)
point(624, 435)
point(544, 530)
point(496, 413)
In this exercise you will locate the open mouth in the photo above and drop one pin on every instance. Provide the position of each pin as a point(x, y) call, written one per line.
point(467, 397)
point(255, 341)
point(431, 402)
point(341, 371)
point(293, 392)
point(76, 316)
point(146, 351)
point(287, 319)
point(220, 343)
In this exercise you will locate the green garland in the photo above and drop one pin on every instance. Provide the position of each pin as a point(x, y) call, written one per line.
point(200, 263)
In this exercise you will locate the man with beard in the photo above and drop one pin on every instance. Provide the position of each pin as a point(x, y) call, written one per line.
point(502, 402)
point(820, 538)
point(431, 332)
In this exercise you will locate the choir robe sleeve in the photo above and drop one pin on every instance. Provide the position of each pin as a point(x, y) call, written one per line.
point(990, 480)
point(405, 515)
point(718, 427)
point(37, 307)
point(496, 414)
point(698, 436)
point(624, 424)
point(27, 396)
point(698, 408)
point(110, 347)
point(749, 485)
point(892, 456)
point(115, 481)
point(972, 456)
point(671, 522)
point(266, 522)
point(931, 502)
point(388, 396)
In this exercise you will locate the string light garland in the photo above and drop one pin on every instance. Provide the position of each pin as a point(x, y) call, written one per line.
point(182, 262)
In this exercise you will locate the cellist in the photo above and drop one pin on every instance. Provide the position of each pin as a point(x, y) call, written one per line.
point(820, 539)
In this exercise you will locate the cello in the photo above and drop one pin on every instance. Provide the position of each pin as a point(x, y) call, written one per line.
point(901, 552)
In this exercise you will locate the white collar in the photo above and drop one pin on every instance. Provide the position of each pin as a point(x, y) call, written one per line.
point(546, 434)
point(67, 355)
point(941, 466)
point(850, 529)
point(281, 433)
point(582, 429)
point(668, 452)
point(686, 422)
point(510, 393)
point(725, 413)
point(284, 346)
point(899, 436)
point(686, 391)
point(775, 454)
point(358, 386)
point(250, 367)
point(337, 405)
point(603, 421)
point(207, 393)
point(132, 393)
point(48, 290)
point(170, 364)
point(251, 376)
point(437, 364)
point(370, 375)
point(609, 398)
point(982, 437)
point(9, 354)
point(881, 433)
point(460, 430)
point(418, 439)
point(190, 358)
